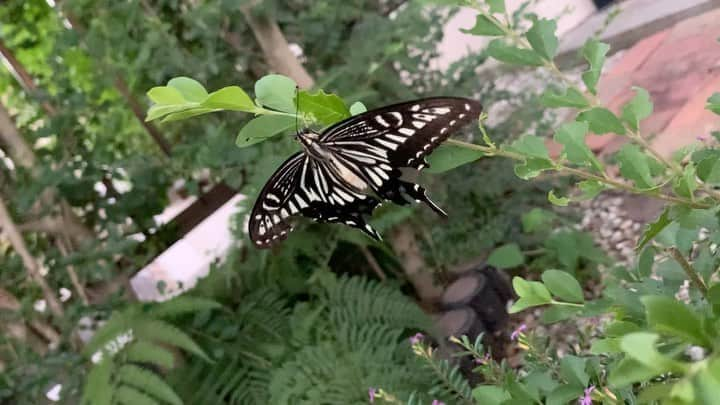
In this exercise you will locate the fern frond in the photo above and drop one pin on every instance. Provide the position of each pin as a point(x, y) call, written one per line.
point(163, 332)
point(358, 300)
point(181, 305)
point(150, 353)
point(130, 396)
point(118, 323)
point(98, 390)
point(147, 382)
point(451, 382)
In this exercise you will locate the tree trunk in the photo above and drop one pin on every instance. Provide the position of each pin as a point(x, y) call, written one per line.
point(406, 246)
point(275, 48)
point(31, 265)
point(22, 155)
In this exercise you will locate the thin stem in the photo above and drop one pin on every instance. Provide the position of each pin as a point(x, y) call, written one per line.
point(689, 270)
point(582, 174)
point(567, 304)
point(594, 101)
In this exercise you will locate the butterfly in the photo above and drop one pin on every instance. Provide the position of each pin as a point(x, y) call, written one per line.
point(343, 173)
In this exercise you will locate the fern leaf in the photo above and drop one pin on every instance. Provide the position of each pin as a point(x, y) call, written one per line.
point(147, 352)
point(159, 331)
point(130, 396)
point(180, 306)
point(117, 324)
point(98, 390)
point(147, 382)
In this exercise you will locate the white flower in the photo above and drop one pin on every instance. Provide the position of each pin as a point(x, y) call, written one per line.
point(40, 305)
point(65, 294)
point(97, 357)
point(54, 393)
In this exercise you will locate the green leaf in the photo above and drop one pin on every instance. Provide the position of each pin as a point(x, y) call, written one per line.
point(630, 371)
point(357, 108)
point(572, 137)
point(542, 38)
point(707, 162)
point(506, 256)
point(557, 313)
point(605, 346)
point(484, 26)
point(556, 200)
point(707, 386)
point(594, 52)
point(590, 189)
point(230, 98)
point(532, 293)
point(713, 103)
point(571, 98)
point(654, 228)
point(326, 108)
point(496, 6)
point(714, 298)
point(666, 315)
point(530, 145)
point(98, 390)
point(564, 394)
point(512, 55)
point(182, 305)
point(262, 128)
point(685, 184)
point(146, 352)
point(572, 369)
point(191, 112)
point(640, 346)
point(532, 167)
point(490, 395)
point(637, 109)
point(537, 219)
point(130, 396)
point(147, 382)
point(564, 286)
point(190, 89)
point(449, 156)
point(165, 95)
point(163, 332)
point(276, 92)
point(602, 121)
point(645, 262)
point(635, 166)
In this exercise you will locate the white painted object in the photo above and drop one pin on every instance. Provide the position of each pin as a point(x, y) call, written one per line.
point(456, 44)
point(189, 259)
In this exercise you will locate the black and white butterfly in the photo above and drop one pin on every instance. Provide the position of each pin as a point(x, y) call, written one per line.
point(343, 173)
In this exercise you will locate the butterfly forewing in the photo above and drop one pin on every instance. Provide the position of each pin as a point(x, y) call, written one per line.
point(360, 157)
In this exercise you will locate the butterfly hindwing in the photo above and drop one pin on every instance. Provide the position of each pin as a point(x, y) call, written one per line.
point(308, 187)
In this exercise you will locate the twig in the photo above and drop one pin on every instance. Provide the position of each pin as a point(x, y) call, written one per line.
point(689, 270)
point(31, 265)
point(373, 263)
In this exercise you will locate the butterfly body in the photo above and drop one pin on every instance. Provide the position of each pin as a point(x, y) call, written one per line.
point(343, 173)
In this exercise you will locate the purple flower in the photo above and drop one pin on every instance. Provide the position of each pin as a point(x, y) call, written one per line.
point(436, 402)
point(701, 138)
point(483, 360)
point(416, 339)
point(371, 394)
point(586, 400)
point(516, 333)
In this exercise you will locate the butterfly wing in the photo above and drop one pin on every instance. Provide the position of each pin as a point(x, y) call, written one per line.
point(380, 142)
point(306, 186)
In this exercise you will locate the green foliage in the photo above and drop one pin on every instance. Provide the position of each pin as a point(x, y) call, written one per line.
point(506, 256)
point(129, 342)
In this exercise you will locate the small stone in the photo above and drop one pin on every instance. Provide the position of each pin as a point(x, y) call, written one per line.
point(626, 224)
point(616, 236)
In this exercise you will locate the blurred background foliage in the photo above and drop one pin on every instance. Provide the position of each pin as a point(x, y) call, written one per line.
point(80, 107)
